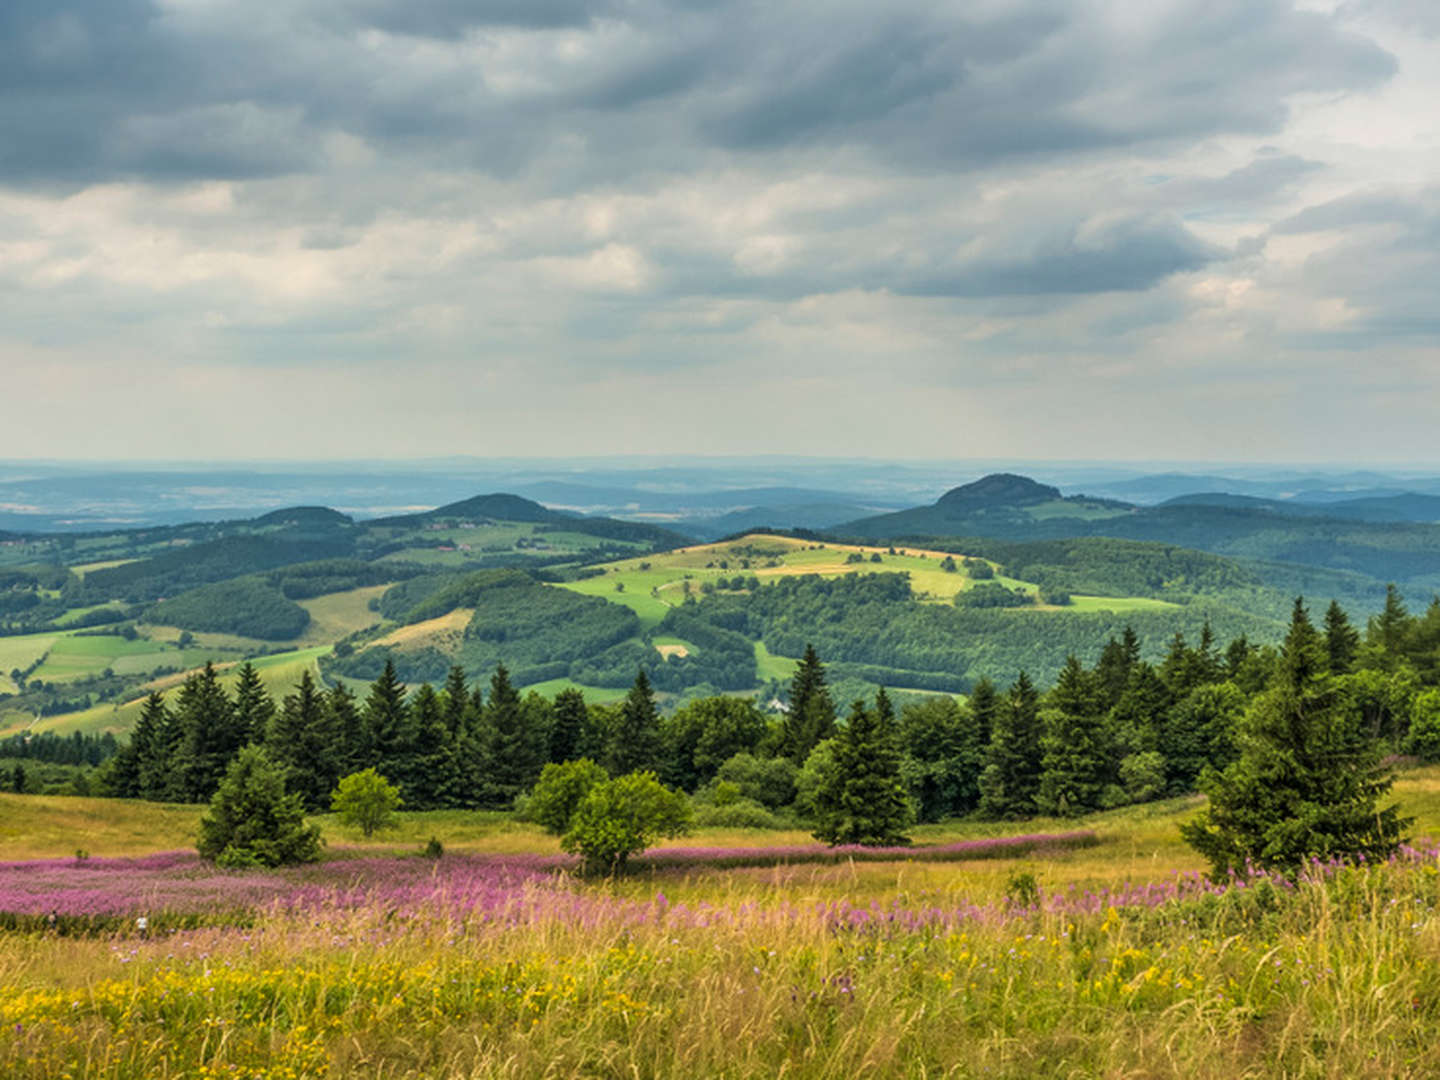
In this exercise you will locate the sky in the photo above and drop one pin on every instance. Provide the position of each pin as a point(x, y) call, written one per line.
point(1062, 229)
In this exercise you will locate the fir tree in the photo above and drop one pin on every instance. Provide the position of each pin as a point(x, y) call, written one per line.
point(517, 753)
point(1138, 717)
point(942, 757)
point(635, 742)
point(253, 706)
point(346, 721)
point(1011, 777)
point(1342, 641)
point(569, 727)
point(387, 718)
point(133, 774)
point(253, 820)
point(864, 801)
point(984, 703)
point(1386, 633)
point(423, 770)
point(1075, 763)
point(811, 715)
point(1307, 782)
point(209, 735)
point(456, 698)
point(303, 741)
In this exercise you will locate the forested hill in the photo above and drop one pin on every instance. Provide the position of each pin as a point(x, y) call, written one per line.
point(504, 507)
point(1014, 508)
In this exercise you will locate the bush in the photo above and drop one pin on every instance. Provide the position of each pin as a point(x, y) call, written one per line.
point(253, 820)
point(622, 817)
point(366, 800)
point(1425, 726)
point(740, 813)
point(559, 791)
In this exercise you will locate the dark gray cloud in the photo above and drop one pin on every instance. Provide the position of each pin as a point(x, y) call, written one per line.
point(97, 89)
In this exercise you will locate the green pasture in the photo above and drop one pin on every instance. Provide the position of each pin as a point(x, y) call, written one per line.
point(771, 666)
point(594, 695)
point(20, 652)
point(279, 673)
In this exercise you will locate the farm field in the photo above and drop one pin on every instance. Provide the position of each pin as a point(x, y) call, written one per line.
point(1097, 952)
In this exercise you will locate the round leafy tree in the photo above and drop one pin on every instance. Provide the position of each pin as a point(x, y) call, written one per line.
point(622, 817)
point(560, 791)
point(253, 820)
point(366, 800)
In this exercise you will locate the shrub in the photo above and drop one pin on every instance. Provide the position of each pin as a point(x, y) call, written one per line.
point(622, 817)
point(366, 800)
point(559, 791)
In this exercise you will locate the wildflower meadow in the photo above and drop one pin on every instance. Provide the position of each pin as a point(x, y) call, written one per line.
point(1090, 951)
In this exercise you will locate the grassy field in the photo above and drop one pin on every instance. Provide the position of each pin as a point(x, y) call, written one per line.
point(489, 962)
point(279, 673)
point(19, 653)
point(651, 585)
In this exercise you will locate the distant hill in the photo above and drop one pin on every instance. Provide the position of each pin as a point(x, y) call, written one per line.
point(1407, 506)
point(502, 506)
point(1001, 504)
point(1330, 536)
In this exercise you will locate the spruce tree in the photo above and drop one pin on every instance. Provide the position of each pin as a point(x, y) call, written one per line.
point(1342, 641)
point(811, 715)
point(456, 698)
point(1075, 763)
point(387, 717)
point(423, 769)
point(132, 775)
point(569, 727)
point(253, 820)
point(303, 741)
point(942, 757)
point(253, 706)
point(1386, 633)
point(1137, 720)
point(517, 753)
point(1011, 777)
point(864, 801)
point(984, 704)
point(1307, 782)
point(209, 736)
point(635, 742)
point(346, 721)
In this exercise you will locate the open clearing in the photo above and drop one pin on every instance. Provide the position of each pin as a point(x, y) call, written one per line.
point(425, 633)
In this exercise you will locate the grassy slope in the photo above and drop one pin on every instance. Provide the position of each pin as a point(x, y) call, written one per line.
point(1140, 843)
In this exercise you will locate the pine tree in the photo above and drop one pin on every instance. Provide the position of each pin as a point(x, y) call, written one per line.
point(517, 753)
point(984, 703)
point(456, 698)
point(635, 743)
point(1199, 731)
point(1137, 720)
point(864, 802)
point(1011, 777)
point(209, 736)
point(1307, 782)
point(423, 769)
point(253, 820)
point(569, 727)
point(811, 715)
point(1113, 671)
point(303, 741)
point(346, 721)
point(1075, 763)
point(1342, 641)
point(253, 706)
point(133, 774)
point(1386, 633)
point(387, 717)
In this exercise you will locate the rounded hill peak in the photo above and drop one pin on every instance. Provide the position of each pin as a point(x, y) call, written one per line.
point(999, 489)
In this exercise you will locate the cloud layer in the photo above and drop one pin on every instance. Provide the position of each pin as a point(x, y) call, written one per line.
point(886, 229)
